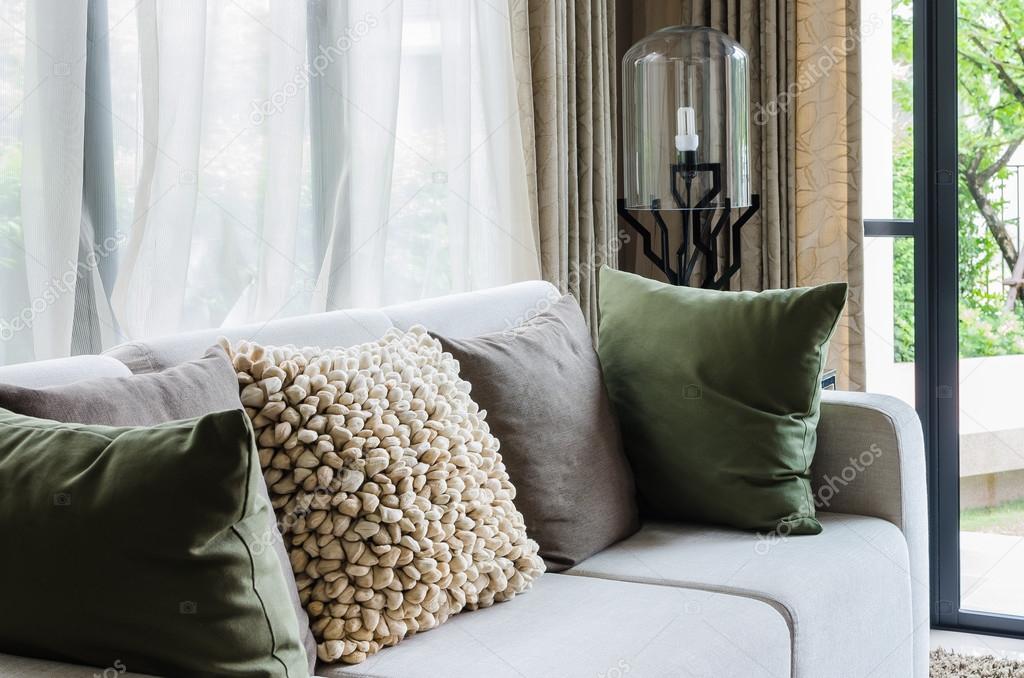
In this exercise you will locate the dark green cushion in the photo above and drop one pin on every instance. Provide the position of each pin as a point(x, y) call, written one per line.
point(141, 547)
point(718, 396)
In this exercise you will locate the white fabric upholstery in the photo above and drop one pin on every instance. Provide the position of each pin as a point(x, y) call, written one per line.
point(576, 627)
point(337, 328)
point(860, 427)
point(475, 313)
point(844, 592)
point(62, 371)
point(458, 315)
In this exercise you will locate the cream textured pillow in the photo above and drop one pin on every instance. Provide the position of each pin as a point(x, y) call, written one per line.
point(389, 488)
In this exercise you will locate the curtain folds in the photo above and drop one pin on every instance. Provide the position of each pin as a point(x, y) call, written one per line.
point(829, 226)
point(273, 158)
point(52, 138)
point(354, 151)
point(565, 66)
point(805, 145)
point(150, 293)
point(303, 157)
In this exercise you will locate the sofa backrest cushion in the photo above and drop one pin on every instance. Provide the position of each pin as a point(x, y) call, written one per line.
point(44, 373)
point(323, 329)
point(192, 389)
point(472, 314)
point(458, 315)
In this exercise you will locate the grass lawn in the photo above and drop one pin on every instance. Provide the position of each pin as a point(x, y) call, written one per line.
point(1005, 518)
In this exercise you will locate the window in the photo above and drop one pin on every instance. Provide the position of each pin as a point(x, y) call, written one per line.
point(888, 194)
point(195, 165)
point(969, 319)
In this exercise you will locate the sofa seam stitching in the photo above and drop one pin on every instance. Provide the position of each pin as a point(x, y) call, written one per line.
point(790, 616)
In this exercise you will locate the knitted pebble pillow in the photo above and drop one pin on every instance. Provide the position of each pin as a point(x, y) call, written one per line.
point(389, 488)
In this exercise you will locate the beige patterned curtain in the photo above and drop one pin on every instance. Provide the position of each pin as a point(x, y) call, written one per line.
point(829, 228)
point(805, 83)
point(565, 70)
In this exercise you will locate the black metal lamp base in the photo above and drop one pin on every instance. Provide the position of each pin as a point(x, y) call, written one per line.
point(701, 225)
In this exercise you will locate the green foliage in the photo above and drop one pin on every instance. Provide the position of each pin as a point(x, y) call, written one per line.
point(10, 207)
point(1007, 518)
point(903, 299)
point(989, 333)
point(979, 256)
point(903, 180)
point(991, 121)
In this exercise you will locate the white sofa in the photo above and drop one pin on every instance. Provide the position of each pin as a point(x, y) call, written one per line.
point(674, 599)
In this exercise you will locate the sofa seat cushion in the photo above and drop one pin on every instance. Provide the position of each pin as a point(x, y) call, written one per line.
point(569, 627)
point(853, 576)
point(12, 666)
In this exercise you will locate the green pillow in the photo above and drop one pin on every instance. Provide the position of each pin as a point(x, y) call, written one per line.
point(141, 548)
point(718, 395)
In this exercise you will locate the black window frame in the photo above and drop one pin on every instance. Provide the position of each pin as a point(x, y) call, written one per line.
point(936, 315)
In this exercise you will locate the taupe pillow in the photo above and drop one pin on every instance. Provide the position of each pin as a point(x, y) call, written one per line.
point(189, 390)
point(546, 402)
point(192, 389)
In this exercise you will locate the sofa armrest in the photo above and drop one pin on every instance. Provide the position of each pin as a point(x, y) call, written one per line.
point(870, 461)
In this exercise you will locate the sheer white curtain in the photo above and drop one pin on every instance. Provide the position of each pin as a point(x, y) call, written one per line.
point(490, 231)
point(305, 157)
point(215, 163)
point(424, 179)
point(217, 212)
point(42, 136)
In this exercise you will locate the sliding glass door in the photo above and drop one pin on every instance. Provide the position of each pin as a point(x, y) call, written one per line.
point(990, 306)
point(943, 118)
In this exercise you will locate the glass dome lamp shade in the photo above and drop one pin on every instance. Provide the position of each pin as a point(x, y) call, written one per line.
point(686, 121)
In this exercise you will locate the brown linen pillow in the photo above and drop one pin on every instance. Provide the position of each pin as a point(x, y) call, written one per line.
point(541, 386)
point(185, 391)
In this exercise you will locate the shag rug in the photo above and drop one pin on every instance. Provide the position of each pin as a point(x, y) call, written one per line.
point(951, 665)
